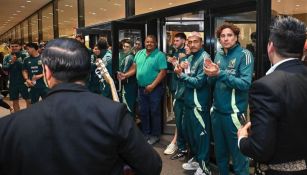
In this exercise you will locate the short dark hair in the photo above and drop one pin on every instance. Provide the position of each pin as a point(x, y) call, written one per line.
point(16, 41)
point(253, 36)
point(68, 59)
point(102, 43)
point(181, 35)
point(32, 45)
point(79, 36)
point(127, 41)
point(153, 37)
point(288, 35)
point(235, 29)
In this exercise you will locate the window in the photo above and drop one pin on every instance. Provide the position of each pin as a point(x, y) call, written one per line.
point(34, 27)
point(103, 11)
point(145, 6)
point(47, 23)
point(295, 8)
point(68, 17)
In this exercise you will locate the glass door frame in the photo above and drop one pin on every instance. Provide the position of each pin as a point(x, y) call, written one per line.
point(116, 26)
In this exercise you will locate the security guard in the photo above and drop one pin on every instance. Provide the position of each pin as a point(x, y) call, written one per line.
point(196, 100)
point(13, 64)
point(231, 74)
point(32, 72)
point(129, 85)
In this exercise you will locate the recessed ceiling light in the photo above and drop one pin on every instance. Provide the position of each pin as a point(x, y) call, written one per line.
point(14, 14)
point(28, 1)
point(278, 0)
point(116, 4)
point(18, 11)
point(66, 5)
point(170, 3)
point(23, 6)
point(94, 13)
point(297, 5)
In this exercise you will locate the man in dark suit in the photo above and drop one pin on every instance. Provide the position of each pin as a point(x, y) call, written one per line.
point(277, 135)
point(72, 131)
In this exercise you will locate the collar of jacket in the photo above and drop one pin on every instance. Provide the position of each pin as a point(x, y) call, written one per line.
point(198, 53)
point(232, 49)
point(67, 87)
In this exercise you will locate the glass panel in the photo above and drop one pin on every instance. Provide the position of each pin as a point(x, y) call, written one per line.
point(133, 35)
point(184, 23)
point(103, 11)
point(13, 33)
point(25, 31)
point(68, 19)
point(47, 23)
point(295, 8)
point(17, 31)
point(145, 6)
point(34, 28)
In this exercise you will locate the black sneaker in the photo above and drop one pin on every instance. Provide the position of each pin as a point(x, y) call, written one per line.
point(179, 154)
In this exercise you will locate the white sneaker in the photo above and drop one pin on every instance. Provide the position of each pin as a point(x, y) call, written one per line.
point(171, 149)
point(191, 165)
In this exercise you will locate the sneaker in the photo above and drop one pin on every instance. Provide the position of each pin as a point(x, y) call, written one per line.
point(179, 154)
point(171, 149)
point(153, 139)
point(199, 171)
point(190, 165)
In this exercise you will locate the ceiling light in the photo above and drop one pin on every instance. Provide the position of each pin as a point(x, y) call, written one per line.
point(28, 1)
point(278, 0)
point(14, 14)
point(18, 11)
point(170, 3)
point(150, 8)
point(297, 5)
point(23, 6)
point(66, 5)
point(116, 4)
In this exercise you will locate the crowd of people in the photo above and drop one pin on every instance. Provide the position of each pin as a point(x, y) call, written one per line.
point(83, 133)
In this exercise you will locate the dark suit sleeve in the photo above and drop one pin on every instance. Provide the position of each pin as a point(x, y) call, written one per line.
point(133, 148)
point(264, 107)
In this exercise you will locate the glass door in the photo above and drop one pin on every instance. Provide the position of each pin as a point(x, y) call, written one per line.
point(135, 32)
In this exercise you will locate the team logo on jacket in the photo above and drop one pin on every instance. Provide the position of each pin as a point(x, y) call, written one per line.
point(39, 62)
point(232, 63)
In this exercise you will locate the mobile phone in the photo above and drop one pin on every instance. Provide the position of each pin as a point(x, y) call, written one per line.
point(242, 119)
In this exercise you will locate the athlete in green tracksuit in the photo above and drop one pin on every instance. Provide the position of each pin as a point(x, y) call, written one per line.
point(106, 57)
point(13, 64)
point(129, 87)
point(176, 88)
point(93, 83)
point(196, 100)
point(231, 74)
point(32, 71)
